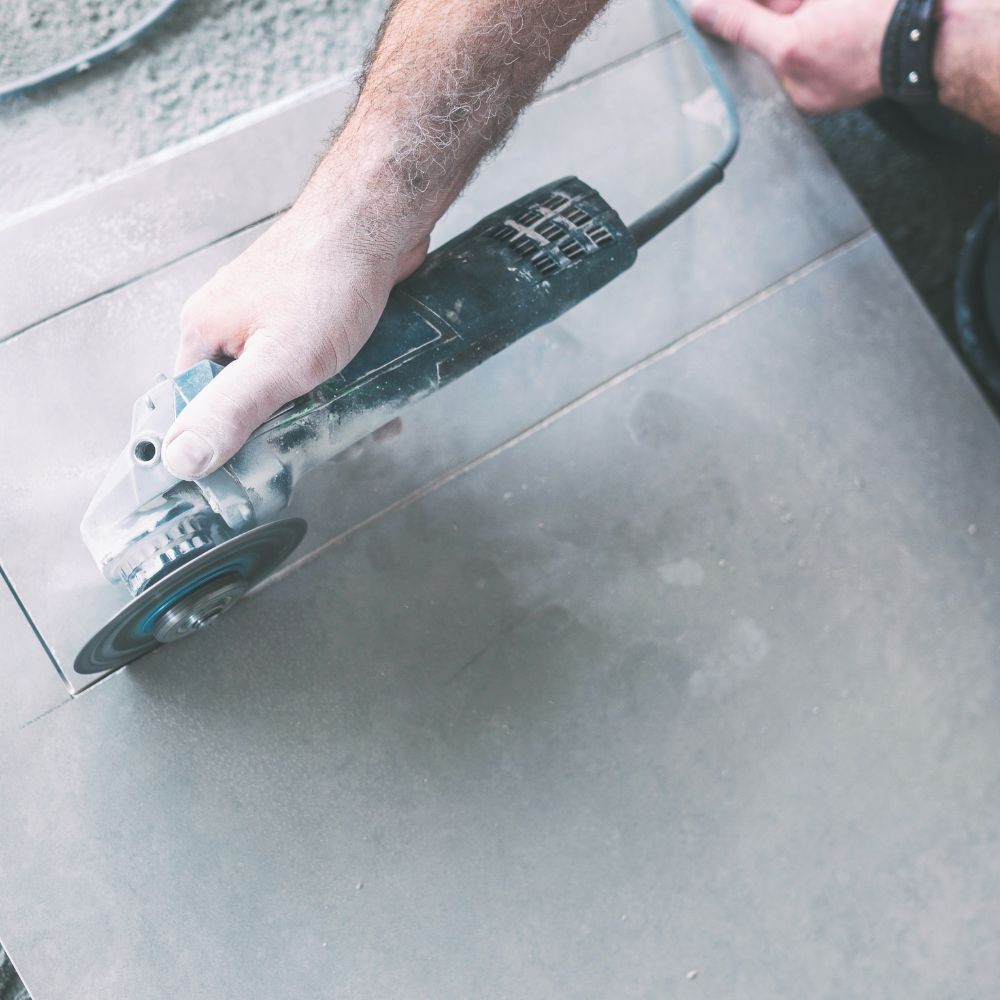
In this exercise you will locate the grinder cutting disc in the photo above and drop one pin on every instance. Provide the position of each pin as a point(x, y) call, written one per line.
point(191, 597)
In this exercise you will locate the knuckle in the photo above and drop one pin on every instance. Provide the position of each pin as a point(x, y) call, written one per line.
point(731, 26)
point(201, 322)
point(787, 58)
point(215, 319)
point(192, 313)
point(318, 365)
point(791, 58)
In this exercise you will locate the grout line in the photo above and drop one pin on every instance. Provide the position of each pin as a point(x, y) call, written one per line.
point(6, 338)
point(663, 42)
point(623, 376)
point(34, 628)
point(221, 130)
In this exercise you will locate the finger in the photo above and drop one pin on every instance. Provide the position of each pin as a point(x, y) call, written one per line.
point(191, 350)
point(218, 421)
point(747, 24)
point(211, 327)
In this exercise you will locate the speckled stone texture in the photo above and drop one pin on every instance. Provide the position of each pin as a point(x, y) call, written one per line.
point(207, 62)
point(36, 35)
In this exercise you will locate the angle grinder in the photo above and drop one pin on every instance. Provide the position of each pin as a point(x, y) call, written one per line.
point(188, 551)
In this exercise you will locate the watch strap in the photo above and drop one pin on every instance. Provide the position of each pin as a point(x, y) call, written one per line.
point(907, 66)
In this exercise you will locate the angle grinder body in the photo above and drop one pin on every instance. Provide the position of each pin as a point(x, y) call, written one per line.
point(187, 551)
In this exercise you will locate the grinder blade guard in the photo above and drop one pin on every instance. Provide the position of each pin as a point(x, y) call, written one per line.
point(187, 551)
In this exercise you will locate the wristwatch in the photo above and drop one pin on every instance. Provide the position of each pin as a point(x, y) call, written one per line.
point(907, 67)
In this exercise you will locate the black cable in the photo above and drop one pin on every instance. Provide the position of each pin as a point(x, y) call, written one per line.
point(702, 181)
point(79, 63)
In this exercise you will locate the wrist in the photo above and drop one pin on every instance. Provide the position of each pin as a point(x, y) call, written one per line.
point(955, 39)
point(351, 206)
point(965, 59)
point(364, 174)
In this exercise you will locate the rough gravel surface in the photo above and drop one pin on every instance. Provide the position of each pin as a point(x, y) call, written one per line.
point(37, 34)
point(208, 61)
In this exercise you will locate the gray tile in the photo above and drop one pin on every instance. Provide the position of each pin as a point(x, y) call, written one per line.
point(783, 206)
point(701, 676)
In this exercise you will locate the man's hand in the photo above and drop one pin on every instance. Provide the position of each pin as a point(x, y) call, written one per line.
point(444, 83)
point(825, 52)
point(292, 310)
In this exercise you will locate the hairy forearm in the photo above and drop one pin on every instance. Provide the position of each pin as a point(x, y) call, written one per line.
point(442, 86)
point(967, 59)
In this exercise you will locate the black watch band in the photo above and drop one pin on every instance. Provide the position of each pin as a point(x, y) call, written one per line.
point(907, 68)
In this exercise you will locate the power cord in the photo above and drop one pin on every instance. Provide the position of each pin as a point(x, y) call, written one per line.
point(702, 181)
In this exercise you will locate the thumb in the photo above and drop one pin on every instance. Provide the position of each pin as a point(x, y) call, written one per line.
point(745, 23)
point(218, 421)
